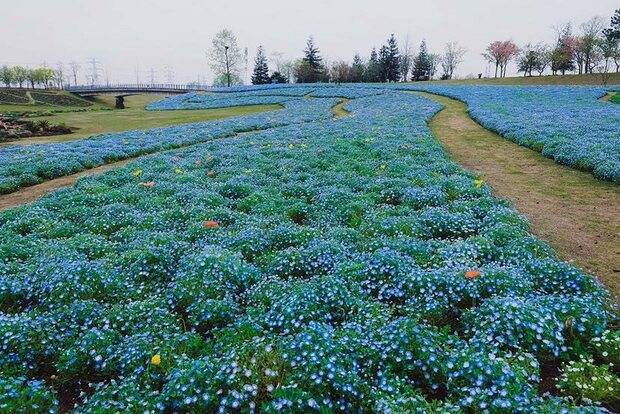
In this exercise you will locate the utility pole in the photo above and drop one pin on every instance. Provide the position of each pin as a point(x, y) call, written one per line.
point(137, 74)
point(227, 65)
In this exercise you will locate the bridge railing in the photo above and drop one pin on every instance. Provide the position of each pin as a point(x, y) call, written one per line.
point(139, 86)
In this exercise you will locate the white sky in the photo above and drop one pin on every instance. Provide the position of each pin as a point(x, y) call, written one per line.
point(128, 34)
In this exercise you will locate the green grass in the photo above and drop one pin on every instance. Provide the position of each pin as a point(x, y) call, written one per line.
point(559, 201)
point(134, 116)
point(338, 110)
point(63, 99)
point(615, 98)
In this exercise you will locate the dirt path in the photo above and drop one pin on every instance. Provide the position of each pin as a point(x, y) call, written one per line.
point(576, 213)
point(34, 192)
point(339, 110)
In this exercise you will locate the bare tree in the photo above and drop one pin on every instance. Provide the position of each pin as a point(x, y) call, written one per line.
point(59, 75)
point(433, 62)
point(588, 41)
point(282, 65)
point(75, 68)
point(452, 57)
point(340, 72)
point(544, 58)
point(406, 59)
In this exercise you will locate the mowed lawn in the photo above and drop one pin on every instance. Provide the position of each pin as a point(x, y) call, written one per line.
point(134, 116)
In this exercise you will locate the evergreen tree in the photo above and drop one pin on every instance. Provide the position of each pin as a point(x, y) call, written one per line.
point(422, 64)
point(260, 75)
point(373, 69)
point(277, 77)
point(392, 60)
point(357, 69)
point(312, 63)
point(384, 63)
point(613, 32)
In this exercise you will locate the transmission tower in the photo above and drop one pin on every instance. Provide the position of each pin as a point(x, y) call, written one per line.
point(95, 70)
point(169, 74)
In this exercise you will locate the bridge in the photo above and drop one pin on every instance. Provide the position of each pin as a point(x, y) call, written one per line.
point(120, 91)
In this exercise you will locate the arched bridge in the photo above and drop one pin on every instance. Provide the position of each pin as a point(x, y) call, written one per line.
point(120, 91)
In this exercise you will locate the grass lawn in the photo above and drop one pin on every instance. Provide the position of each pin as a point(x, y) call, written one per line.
point(338, 110)
point(134, 116)
point(574, 211)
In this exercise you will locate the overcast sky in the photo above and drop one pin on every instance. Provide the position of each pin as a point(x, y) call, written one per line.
point(125, 35)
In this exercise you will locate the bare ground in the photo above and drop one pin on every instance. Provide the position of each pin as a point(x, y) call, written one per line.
point(339, 110)
point(34, 192)
point(576, 213)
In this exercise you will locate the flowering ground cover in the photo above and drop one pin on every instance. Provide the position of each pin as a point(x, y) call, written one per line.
point(319, 266)
point(569, 124)
point(23, 166)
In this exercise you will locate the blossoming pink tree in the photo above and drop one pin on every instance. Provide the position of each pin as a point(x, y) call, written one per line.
point(500, 53)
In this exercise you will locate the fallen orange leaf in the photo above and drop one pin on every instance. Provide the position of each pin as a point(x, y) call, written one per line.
point(472, 274)
point(211, 224)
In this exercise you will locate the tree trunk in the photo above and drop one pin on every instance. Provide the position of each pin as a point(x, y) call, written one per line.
point(496, 65)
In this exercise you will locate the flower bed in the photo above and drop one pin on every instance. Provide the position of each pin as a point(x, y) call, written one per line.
point(566, 123)
point(321, 266)
point(23, 166)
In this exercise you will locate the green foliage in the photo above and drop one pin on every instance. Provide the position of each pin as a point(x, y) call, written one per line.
point(589, 383)
point(260, 75)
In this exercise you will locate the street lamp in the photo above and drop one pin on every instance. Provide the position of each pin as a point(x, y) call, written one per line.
point(227, 66)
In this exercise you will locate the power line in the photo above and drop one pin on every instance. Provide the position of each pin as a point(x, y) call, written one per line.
point(95, 70)
point(169, 74)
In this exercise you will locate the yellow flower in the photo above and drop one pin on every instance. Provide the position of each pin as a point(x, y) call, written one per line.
point(125, 142)
point(290, 146)
point(156, 359)
point(382, 167)
point(479, 182)
point(178, 170)
point(137, 173)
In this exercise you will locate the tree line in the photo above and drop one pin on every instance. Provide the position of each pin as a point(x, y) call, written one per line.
point(594, 47)
point(20, 76)
point(391, 63)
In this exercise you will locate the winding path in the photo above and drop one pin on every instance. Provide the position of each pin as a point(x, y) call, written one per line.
point(576, 213)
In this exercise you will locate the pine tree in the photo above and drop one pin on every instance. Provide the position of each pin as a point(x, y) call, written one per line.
point(261, 70)
point(373, 69)
point(422, 64)
point(384, 63)
point(312, 59)
point(277, 77)
point(392, 64)
point(613, 32)
point(357, 69)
